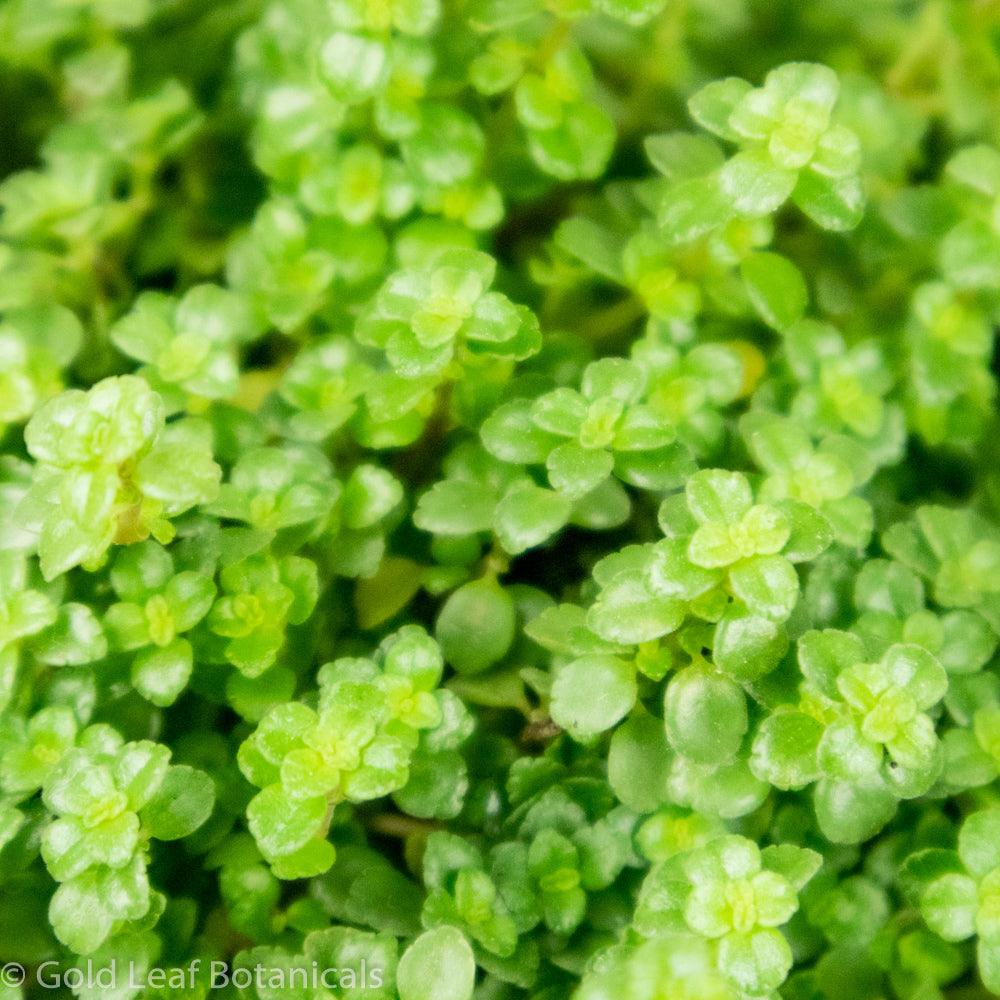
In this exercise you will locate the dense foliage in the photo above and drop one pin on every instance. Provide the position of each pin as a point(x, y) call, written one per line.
point(502, 492)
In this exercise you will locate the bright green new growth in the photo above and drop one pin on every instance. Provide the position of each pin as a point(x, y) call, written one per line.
point(957, 891)
point(499, 499)
point(109, 799)
point(735, 896)
point(423, 317)
point(188, 345)
point(439, 965)
point(357, 744)
point(109, 471)
point(789, 147)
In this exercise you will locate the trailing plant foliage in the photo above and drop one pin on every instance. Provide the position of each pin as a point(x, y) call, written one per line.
point(504, 493)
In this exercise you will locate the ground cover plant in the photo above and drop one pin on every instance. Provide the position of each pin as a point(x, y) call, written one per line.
point(499, 499)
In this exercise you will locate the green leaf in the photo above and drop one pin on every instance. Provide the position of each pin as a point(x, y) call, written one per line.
point(754, 185)
point(784, 749)
point(849, 813)
point(139, 771)
point(575, 471)
point(639, 762)
point(447, 147)
point(627, 611)
point(824, 655)
point(353, 66)
point(563, 628)
point(747, 646)
point(476, 626)
point(977, 167)
point(715, 495)
point(757, 962)
point(512, 433)
point(438, 965)
point(833, 203)
point(78, 914)
point(711, 106)
point(380, 597)
point(181, 805)
point(437, 786)
point(979, 842)
point(988, 960)
point(796, 864)
point(312, 859)
point(282, 825)
point(680, 155)
point(75, 637)
point(456, 507)
point(777, 444)
point(529, 515)
point(596, 246)
point(578, 148)
point(591, 694)
point(160, 675)
point(672, 574)
point(692, 209)
point(705, 715)
point(631, 12)
point(767, 585)
point(925, 866)
point(912, 667)
point(84, 909)
point(970, 255)
point(776, 288)
point(11, 821)
point(659, 469)
point(949, 906)
point(810, 532)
